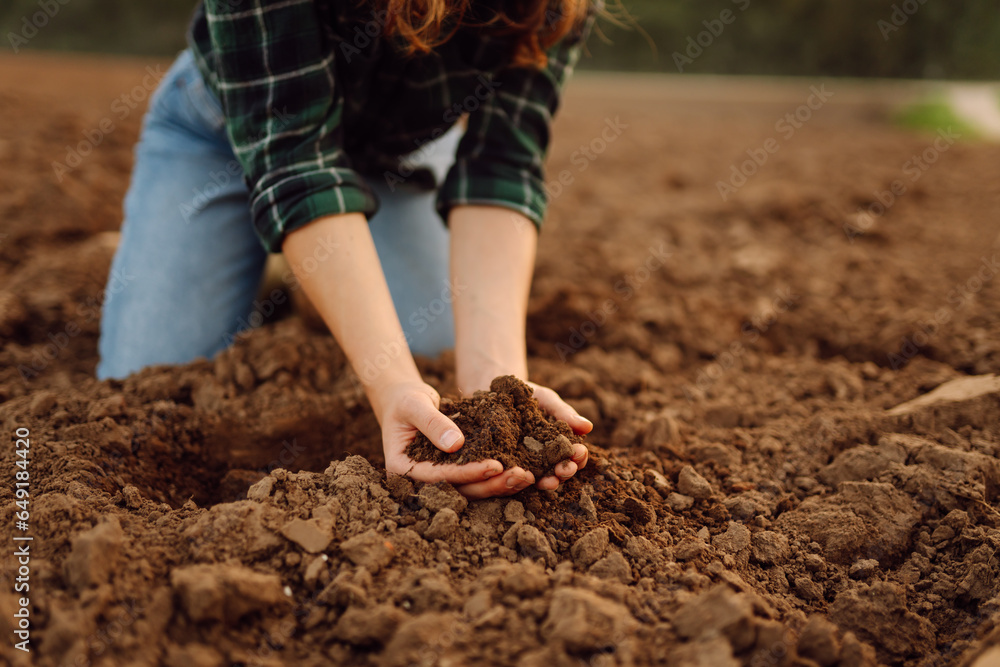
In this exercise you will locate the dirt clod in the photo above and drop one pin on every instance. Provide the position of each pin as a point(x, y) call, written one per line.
point(505, 424)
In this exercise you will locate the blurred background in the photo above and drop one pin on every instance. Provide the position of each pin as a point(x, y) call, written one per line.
point(957, 39)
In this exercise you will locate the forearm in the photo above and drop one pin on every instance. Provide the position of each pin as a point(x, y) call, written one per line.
point(492, 259)
point(335, 261)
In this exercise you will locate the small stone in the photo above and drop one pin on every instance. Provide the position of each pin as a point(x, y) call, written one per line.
point(513, 512)
point(720, 610)
point(707, 651)
point(42, 403)
point(133, 499)
point(94, 554)
point(740, 508)
point(368, 550)
point(612, 567)
point(807, 589)
point(679, 502)
point(532, 544)
point(663, 430)
point(113, 406)
point(769, 547)
point(587, 506)
point(438, 496)
point(689, 550)
point(815, 563)
point(658, 481)
point(582, 622)
point(313, 570)
point(942, 533)
point(735, 539)
point(863, 568)
point(770, 445)
point(309, 534)
point(225, 593)
point(261, 489)
point(819, 642)
point(588, 549)
point(640, 548)
point(957, 520)
point(640, 512)
point(855, 653)
point(443, 525)
point(805, 483)
point(690, 483)
point(532, 445)
point(368, 626)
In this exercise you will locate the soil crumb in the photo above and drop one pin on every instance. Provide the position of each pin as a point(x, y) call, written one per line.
point(505, 423)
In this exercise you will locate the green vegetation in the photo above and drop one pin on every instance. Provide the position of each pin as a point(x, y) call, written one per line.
point(866, 38)
point(932, 115)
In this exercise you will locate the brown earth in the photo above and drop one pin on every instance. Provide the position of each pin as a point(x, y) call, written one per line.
point(505, 424)
point(753, 498)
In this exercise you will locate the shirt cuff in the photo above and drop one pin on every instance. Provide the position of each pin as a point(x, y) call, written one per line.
point(285, 205)
point(493, 183)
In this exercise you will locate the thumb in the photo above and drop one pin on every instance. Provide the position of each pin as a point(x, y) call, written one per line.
point(440, 430)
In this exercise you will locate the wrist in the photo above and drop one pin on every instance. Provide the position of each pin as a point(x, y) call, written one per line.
point(476, 368)
point(380, 384)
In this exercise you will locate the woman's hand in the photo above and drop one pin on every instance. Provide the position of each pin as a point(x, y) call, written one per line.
point(403, 409)
point(551, 403)
point(492, 256)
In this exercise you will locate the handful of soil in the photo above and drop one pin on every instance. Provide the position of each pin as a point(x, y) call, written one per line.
point(506, 424)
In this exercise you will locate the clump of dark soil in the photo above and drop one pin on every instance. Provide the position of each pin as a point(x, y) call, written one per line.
point(505, 423)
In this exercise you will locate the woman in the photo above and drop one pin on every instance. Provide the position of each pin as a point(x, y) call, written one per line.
point(338, 122)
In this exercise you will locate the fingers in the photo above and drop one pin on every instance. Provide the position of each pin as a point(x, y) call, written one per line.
point(580, 456)
point(510, 482)
point(550, 401)
point(458, 475)
point(421, 412)
point(563, 471)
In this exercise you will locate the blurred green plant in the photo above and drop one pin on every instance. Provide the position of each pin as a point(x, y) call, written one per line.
point(931, 116)
point(959, 39)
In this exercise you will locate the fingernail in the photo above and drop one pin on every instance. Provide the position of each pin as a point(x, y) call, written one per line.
point(513, 482)
point(449, 439)
point(492, 471)
point(585, 420)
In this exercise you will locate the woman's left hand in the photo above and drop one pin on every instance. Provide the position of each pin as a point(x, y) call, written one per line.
point(515, 479)
point(553, 404)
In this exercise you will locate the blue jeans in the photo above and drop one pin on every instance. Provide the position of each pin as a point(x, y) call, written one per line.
point(186, 273)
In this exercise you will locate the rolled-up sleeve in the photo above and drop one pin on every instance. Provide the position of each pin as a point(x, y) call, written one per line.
point(500, 159)
point(273, 70)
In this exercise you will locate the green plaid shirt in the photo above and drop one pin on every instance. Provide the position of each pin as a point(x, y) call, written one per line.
point(314, 97)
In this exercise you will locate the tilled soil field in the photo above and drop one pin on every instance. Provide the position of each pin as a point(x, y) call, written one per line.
point(795, 459)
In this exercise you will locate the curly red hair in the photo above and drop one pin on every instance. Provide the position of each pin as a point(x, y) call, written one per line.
point(532, 25)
